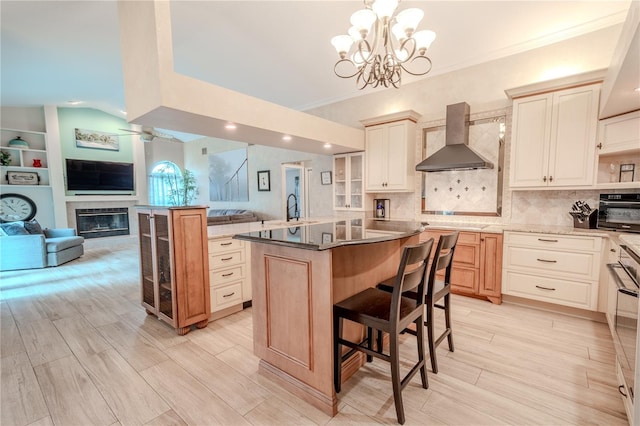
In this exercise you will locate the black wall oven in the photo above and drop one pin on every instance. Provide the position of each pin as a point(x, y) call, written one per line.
point(619, 212)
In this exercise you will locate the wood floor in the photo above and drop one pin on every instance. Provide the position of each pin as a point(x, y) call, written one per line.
point(78, 349)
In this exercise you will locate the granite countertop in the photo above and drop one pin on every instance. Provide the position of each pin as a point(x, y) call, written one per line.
point(318, 235)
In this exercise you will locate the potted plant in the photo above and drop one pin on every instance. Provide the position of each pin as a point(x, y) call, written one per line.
point(5, 158)
point(182, 189)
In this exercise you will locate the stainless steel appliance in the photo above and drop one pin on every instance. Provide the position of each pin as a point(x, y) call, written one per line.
point(619, 212)
point(381, 209)
point(626, 274)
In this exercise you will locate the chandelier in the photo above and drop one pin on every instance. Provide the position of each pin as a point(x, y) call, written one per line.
point(378, 57)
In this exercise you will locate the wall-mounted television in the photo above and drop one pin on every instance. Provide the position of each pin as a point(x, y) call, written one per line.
point(88, 175)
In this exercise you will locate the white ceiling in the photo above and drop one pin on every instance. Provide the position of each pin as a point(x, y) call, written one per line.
point(56, 51)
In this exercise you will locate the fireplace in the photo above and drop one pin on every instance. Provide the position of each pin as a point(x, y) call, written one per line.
point(104, 222)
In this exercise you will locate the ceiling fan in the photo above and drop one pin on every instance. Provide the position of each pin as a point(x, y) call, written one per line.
point(149, 134)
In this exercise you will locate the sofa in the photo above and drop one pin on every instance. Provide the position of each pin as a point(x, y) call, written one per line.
point(229, 216)
point(25, 245)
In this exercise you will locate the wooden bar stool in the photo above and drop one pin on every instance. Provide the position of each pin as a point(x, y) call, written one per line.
point(389, 312)
point(436, 289)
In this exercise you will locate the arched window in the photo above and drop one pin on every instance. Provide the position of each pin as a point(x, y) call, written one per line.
point(162, 176)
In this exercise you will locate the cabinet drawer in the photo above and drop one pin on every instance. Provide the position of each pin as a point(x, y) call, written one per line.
point(553, 241)
point(226, 259)
point(224, 276)
point(225, 296)
point(465, 280)
point(579, 265)
point(467, 255)
point(225, 244)
point(547, 289)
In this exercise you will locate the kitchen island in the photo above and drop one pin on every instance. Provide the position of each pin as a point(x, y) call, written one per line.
point(298, 273)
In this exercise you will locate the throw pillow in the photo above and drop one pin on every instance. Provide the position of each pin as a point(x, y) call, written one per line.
point(33, 227)
point(14, 228)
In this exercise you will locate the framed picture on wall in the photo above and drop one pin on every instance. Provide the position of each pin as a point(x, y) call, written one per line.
point(264, 180)
point(325, 178)
point(97, 140)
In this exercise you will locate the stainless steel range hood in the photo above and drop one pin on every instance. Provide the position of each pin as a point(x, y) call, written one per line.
point(456, 154)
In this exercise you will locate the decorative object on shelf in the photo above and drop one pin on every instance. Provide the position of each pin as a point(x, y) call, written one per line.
point(393, 45)
point(627, 172)
point(37, 162)
point(264, 180)
point(97, 140)
point(5, 158)
point(14, 207)
point(23, 178)
point(18, 142)
point(325, 178)
point(181, 189)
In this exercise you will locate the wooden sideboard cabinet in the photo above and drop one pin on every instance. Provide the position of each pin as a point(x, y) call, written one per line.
point(174, 265)
point(477, 264)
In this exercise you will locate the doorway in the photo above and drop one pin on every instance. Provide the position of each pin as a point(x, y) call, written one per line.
point(295, 190)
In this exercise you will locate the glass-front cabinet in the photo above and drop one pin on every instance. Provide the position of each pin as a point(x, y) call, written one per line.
point(174, 267)
point(348, 188)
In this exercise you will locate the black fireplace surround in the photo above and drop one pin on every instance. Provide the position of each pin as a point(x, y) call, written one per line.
point(104, 222)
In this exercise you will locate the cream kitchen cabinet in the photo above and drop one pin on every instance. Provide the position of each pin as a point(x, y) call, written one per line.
point(554, 139)
point(390, 152)
point(229, 275)
point(348, 182)
point(619, 143)
point(560, 269)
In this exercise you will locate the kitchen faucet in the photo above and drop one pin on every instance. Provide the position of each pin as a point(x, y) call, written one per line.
point(295, 207)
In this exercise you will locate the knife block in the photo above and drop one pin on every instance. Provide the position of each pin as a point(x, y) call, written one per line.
point(590, 222)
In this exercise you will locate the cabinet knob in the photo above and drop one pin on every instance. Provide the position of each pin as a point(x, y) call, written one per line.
point(550, 178)
point(544, 178)
point(599, 146)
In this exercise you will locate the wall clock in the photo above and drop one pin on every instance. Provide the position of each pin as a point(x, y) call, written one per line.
point(15, 207)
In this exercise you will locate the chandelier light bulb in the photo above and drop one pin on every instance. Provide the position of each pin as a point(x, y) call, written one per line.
point(355, 34)
point(363, 20)
point(424, 39)
point(409, 19)
point(402, 54)
point(399, 33)
point(384, 8)
point(342, 44)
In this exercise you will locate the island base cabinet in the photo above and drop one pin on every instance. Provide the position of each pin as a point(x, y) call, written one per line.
point(293, 295)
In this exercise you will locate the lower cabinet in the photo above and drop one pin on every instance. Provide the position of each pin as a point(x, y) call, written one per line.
point(477, 263)
point(560, 269)
point(228, 275)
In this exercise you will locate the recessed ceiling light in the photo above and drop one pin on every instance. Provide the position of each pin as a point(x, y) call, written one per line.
point(230, 126)
point(74, 102)
point(327, 145)
point(123, 112)
point(637, 89)
point(286, 138)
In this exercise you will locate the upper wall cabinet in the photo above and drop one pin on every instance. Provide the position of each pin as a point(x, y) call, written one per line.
point(554, 139)
point(390, 152)
point(619, 151)
point(348, 170)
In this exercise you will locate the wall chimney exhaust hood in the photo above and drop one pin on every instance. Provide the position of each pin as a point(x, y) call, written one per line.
point(456, 154)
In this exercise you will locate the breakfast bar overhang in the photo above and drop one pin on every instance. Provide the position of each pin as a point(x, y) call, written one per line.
point(298, 273)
